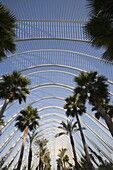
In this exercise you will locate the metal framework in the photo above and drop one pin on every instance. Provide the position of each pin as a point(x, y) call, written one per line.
point(51, 50)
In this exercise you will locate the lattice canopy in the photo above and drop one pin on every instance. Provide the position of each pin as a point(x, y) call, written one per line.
point(51, 49)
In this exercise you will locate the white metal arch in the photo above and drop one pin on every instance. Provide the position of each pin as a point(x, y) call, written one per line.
point(59, 50)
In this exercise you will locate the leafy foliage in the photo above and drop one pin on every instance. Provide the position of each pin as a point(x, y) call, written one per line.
point(92, 87)
point(1, 122)
point(27, 117)
point(43, 154)
point(100, 26)
point(7, 31)
point(74, 105)
point(26, 120)
point(14, 86)
point(63, 160)
point(106, 166)
point(68, 128)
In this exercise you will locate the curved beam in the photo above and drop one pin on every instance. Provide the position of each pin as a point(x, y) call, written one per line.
point(45, 38)
point(49, 65)
point(58, 50)
point(61, 71)
point(13, 117)
point(53, 131)
point(98, 148)
point(23, 20)
point(70, 88)
point(95, 134)
point(58, 71)
point(88, 114)
point(55, 65)
point(49, 114)
point(52, 114)
point(8, 139)
point(53, 97)
point(90, 130)
point(49, 134)
point(48, 97)
point(12, 148)
point(48, 107)
point(13, 156)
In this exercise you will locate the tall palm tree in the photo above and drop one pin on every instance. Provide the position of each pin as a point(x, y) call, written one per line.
point(74, 107)
point(67, 164)
point(101, 7)
point(7, 31)
point(31, 138)
point(68, 129)
point(58, 164)
point(61, 155)
point(106, 166)
point(42, 144)
point(94, 88)
point(95, 155)
point(1, 123)
point(47, 160)
point(83, 163)
point(99, 27)
point(108, 109)
point(13, 87)
point(4, 168)
point(26, 120)
point(62, 160)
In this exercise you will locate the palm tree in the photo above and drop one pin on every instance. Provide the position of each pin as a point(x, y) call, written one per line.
point(106, 166)
point(59, 164)
point(68, 129)
point(92, 87)
point(108, 109)
point(47, 160)
point(13, 87)
point(61, 155)
point(83, 163)
point(4, 168)
point(62, 159)
point(74, 107)
point(67, 164)
point(99, 27)
point(98, 157)
point(26, 120)
point(42, 151)
point(31, 138)
point(1, 122)
point(7, 31)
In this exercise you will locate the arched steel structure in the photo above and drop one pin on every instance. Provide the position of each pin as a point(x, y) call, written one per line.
point(51, 49)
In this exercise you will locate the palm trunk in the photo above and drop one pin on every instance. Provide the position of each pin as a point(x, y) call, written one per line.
point(40, 163)
point(74, 152)
point(64, 165)
point(106, 118)
point(30, 157)
point(4, 107)
point(84, 143)
point(37, 168)
point(22, 148)
point(93, 159)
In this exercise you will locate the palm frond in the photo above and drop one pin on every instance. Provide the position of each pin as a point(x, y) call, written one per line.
point(60, 134)
point(28, 117)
